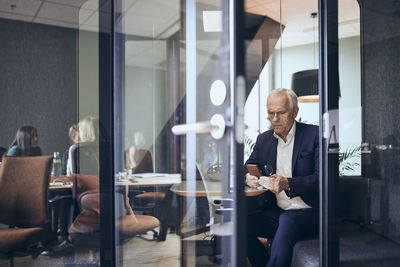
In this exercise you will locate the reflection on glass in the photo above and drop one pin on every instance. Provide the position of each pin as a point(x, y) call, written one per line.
point(154, 98)
point(293, 50)
point(368, 146)
point(150, 102)
point(350, 111)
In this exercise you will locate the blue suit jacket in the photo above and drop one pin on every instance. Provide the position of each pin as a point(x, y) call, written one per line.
point(305, 161)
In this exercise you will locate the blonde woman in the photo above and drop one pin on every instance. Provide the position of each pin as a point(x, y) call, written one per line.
point(87, 130)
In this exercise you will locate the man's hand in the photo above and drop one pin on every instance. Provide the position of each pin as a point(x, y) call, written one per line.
point(275, 183)
point(252, 181)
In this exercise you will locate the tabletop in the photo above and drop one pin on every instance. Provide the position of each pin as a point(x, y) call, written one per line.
point(60, 183)
point(214, 189)
point(165, 179)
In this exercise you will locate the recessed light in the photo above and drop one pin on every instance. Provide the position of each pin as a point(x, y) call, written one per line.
point(212, 21)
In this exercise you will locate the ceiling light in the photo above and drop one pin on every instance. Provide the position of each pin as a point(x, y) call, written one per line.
point(305, 85)
point(212, 21)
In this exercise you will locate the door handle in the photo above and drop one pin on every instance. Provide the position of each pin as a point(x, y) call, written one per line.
point(215, 126)
point(240, 102)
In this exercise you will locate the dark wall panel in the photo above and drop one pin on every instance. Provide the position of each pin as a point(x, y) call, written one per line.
point(381, 40)
point(380, 21)
point(37, 82)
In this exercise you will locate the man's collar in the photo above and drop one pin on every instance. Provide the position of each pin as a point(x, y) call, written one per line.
point(290, 135)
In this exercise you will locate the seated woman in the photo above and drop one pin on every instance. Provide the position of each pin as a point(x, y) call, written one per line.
point(25, 143)
point(87, 134)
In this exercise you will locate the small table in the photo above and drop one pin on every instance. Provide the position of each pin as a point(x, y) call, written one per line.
point(165, 180)
point(64, 182)
point(213, 189)
point(209, 189)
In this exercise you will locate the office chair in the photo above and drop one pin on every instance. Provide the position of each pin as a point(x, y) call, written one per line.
point(139, 160)
point(24, 207)
point(144, 163)
point(85, 158)
point(146, 199)
point(86, 226)
point(85, 161)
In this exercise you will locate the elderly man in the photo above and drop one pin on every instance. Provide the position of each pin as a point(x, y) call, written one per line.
point(291, 209)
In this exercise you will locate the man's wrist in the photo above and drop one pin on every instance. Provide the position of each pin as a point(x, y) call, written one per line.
point(287, 190)
point(287, 184)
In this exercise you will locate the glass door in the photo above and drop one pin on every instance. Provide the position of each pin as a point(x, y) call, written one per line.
point(360, 134)
point(175, 140)
point(210, 129)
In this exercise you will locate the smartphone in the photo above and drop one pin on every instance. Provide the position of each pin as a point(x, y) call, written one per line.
point(253, 169)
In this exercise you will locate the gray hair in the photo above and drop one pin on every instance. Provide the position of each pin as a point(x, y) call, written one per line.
point(289, 93)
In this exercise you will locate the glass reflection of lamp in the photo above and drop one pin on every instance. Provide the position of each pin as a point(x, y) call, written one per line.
point(214, 170)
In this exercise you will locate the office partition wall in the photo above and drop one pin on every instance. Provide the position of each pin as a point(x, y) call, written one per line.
point(358, 133)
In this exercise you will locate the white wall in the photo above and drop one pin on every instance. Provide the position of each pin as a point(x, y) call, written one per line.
point(88, 93)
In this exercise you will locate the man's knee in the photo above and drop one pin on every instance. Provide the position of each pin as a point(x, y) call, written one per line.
point(288, 218)
point(297, 223)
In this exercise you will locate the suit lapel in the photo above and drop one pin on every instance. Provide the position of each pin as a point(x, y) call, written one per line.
point(274, 152)
point(298, 138)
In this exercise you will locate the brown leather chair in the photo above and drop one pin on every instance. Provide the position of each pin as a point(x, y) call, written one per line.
point(24, 183)
point(144, 163)
point(147, 199)
point(139, 160)
point(86, 225)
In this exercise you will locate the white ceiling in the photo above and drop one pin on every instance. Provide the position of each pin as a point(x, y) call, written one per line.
point(155, 18)
point(158, 19)
point(64, 13)
point(299, 26)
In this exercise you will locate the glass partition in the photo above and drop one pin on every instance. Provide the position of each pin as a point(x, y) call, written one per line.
point(151, 102)
point(350, 111)
point(288, 44)
point(175, 66)
point(366, 133)
point(289, 48)
point(49, 80)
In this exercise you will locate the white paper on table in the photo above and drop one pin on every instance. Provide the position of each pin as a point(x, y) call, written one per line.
point(148, 175)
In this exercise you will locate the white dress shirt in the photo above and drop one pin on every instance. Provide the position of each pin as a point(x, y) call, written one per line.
point(69, 161)
point(284, 154)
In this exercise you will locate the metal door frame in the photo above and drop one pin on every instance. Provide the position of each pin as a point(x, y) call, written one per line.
point(329, 162)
